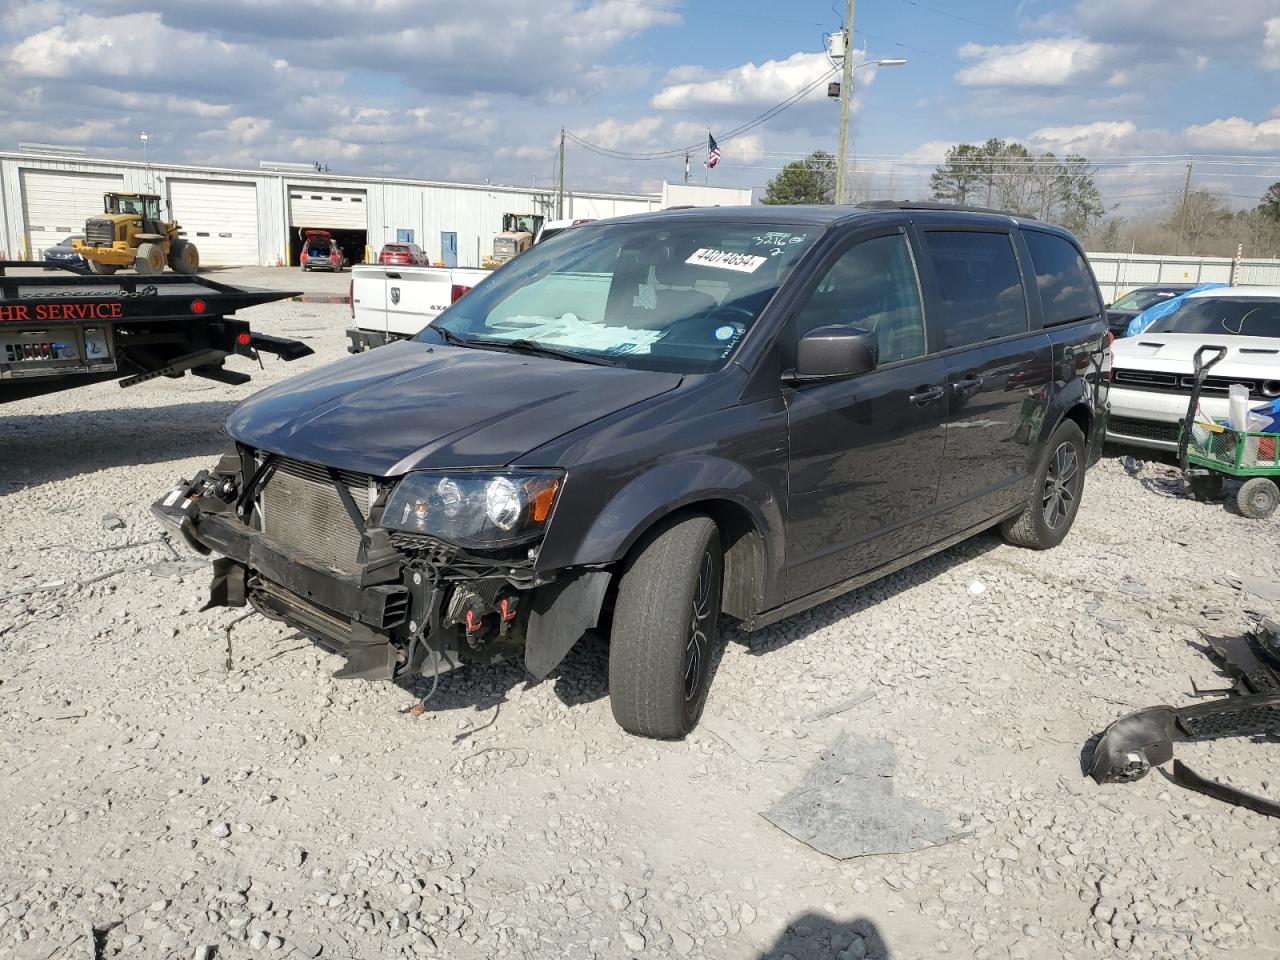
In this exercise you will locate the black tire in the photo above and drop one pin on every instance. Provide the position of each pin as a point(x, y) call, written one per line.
point(150, 260)
point(1257, 498)
point(664, 629)
point(1204, 489)
point(1055, 493)
point(184, 257)
point(102, 269)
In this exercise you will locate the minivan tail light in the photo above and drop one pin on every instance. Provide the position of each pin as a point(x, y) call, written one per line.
point(1111, 355)
point(458, 292)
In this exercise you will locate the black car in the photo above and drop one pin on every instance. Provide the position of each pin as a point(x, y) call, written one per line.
point(62, 256)
point(1135, 301)
point(645, 423)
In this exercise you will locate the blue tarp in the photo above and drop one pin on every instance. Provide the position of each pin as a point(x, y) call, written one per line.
point(1150, 315)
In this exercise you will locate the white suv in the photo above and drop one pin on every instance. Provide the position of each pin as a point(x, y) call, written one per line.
point(1152, 372)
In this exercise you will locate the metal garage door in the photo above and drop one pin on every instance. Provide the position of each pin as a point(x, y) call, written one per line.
point(326, 207)
point(220, 218)
point(55, 204)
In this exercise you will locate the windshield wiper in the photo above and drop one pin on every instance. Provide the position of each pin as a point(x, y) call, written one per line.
point(448, 336)
point(534, 348)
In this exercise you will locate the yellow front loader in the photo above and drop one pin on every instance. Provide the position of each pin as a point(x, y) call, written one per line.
point(130, 233)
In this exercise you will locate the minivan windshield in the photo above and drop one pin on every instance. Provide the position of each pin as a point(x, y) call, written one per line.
point(675, 296)
point(1241, 316)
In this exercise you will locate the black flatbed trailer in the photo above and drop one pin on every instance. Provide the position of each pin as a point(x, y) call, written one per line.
point(68, 330)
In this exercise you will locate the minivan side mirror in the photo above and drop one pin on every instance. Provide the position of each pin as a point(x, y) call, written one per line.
point(834, 352)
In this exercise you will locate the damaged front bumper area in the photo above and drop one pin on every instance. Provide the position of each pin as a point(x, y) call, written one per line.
point(401, 603)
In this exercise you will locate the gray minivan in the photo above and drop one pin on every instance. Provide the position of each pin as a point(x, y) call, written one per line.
point(646, 423)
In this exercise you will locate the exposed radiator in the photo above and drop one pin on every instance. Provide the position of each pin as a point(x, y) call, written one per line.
point(302, 512)
point(99, 232)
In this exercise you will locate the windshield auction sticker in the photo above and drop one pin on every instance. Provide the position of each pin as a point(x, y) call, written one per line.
point(726, 260)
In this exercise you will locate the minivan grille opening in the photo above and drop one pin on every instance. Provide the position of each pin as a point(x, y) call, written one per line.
point(303, 513)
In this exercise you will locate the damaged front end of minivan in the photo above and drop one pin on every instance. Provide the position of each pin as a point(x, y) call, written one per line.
point(433, 569)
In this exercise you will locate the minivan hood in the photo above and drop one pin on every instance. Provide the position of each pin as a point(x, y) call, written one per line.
point(410, 405)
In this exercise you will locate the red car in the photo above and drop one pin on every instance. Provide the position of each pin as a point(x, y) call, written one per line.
point(404, 254)
point(321, 252)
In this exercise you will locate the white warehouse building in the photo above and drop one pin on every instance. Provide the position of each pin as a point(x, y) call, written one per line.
point(256, 217)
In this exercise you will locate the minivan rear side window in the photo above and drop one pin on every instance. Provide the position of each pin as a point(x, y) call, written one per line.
point(981, 287)
point(1067, 290)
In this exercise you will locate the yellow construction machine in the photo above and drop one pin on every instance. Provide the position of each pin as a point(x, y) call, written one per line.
point(130, 233)
point(519, 231)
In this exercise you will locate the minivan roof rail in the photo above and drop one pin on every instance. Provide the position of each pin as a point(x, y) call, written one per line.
point(935, 205)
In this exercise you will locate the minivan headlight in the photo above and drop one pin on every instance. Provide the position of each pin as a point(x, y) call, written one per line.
point(484, 510)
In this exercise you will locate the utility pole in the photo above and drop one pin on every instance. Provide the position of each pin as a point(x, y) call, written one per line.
point(1182, 214)
point(686, 166)
point(560, 199)
point(846, 100)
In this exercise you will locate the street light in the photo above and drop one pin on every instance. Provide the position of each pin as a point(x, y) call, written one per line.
point(846, 101)
point(146, 165)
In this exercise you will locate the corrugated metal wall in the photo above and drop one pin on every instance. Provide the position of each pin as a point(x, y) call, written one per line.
point(473, 211)
point(1118, 273)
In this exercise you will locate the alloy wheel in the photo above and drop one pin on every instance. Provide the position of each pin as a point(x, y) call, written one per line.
point(696, 649)
point(1060, 485)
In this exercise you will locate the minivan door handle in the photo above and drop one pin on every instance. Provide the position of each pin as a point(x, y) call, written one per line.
point(967, 385)
point(925, 395)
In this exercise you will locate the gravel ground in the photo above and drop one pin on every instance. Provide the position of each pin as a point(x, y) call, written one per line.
point(157, 805)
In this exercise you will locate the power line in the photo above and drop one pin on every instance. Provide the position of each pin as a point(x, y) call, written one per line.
point(723, 138)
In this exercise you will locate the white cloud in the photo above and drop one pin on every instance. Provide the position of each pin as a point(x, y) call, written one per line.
point(766, 83)
point(1154, 23)
point(1102, 136)
point(1047, 62)
point(1236, 133)
point(242, 130)
point(140, 51)
point(1271, 45)
point(619, 135)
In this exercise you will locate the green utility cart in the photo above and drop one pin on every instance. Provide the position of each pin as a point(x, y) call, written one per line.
point(1209, 452)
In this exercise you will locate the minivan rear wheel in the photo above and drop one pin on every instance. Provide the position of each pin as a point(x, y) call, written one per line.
point(664, 629)
point(1055, 493)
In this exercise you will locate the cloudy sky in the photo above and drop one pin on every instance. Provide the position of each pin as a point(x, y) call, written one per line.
point(479, 90)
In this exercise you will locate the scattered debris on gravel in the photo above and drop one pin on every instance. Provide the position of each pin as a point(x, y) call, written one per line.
point(157, 805)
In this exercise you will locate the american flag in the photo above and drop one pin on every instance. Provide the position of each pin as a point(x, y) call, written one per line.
point(713, 151)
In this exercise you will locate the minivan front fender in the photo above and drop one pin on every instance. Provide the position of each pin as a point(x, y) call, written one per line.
point(592, 527)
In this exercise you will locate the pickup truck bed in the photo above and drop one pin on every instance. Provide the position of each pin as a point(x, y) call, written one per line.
point(68, 330)
point(393, 302)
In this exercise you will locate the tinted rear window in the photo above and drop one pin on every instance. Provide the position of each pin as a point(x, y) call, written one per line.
point(1066, 285)
point(980, 285)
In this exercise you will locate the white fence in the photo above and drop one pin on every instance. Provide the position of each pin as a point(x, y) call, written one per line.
point(1118, 273)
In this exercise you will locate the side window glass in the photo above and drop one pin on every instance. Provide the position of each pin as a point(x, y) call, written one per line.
point(873, 286)
point(1067, 290)
point(981, 288)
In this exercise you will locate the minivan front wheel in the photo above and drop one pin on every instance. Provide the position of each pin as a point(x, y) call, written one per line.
point(1055, 493)
point(664, 629)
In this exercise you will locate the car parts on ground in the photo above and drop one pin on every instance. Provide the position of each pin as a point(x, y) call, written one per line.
point(1132, 745)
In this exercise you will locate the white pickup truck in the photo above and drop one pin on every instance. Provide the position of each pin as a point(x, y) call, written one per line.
point(394, 302)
